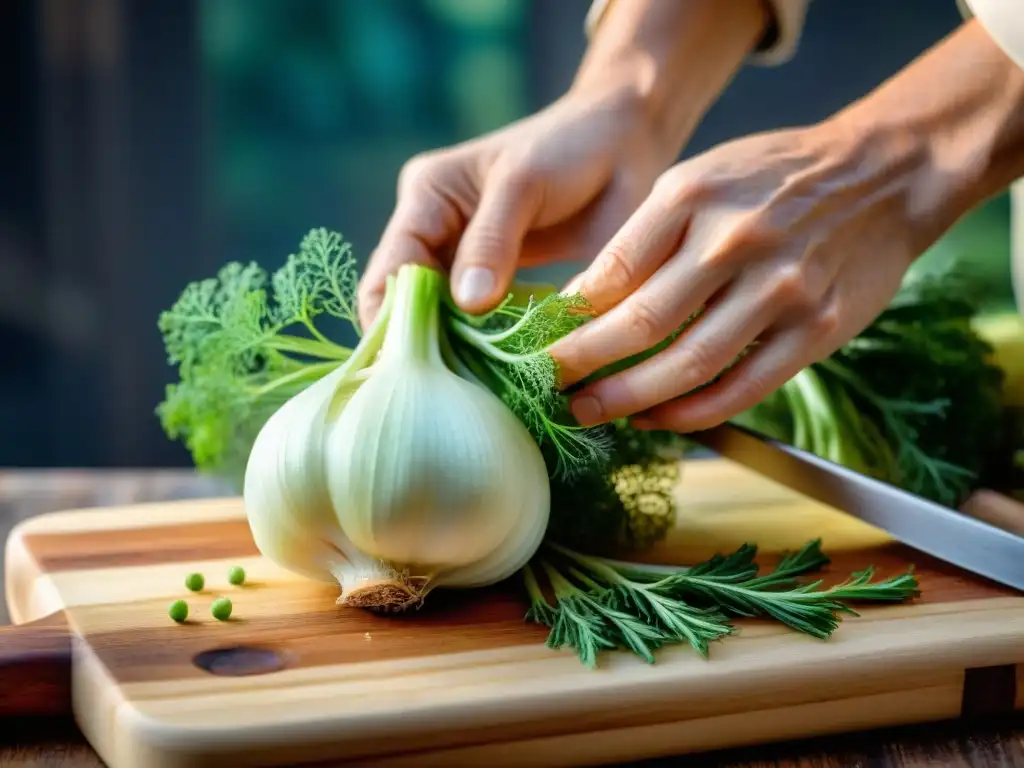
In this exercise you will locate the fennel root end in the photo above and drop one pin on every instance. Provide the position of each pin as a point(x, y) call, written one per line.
point(386, 595)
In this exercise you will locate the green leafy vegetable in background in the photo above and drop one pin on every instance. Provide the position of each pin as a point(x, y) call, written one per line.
point(915, 399)
point(912, 400)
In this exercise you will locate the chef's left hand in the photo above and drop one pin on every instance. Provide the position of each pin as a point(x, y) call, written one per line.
point(795, 239)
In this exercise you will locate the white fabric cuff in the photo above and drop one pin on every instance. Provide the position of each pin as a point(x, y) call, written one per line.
point(786, 30)
point(1004, 22)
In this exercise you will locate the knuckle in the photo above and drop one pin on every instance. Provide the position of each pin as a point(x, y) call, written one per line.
point(700, 190)
point(790, 287)
point(645, 325)
point(725, 257)
point(749, 239)
point(419, 171)
point(750, 390)
point(667, 184)
point(676, 189)
point(826, 322)
point(615, 270)
point(758, 235)
point(700, 363)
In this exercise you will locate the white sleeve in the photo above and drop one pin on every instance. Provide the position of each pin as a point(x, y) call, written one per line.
point(1004, 22)
point(778, 47)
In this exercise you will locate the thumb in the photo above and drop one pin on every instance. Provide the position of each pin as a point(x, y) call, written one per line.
point(488, 253)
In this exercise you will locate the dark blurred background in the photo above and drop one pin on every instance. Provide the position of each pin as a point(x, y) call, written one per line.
point(145, 142)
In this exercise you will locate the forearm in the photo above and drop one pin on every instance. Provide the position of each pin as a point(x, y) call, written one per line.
point(673, 57)
point(960, 110)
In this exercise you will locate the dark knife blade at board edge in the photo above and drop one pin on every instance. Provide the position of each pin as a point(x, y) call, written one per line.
point(965, 540)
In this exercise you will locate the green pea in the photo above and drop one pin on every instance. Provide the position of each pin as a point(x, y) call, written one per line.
point(194, 582)
point(236, 575)
point(221, 609)
point(178, 611)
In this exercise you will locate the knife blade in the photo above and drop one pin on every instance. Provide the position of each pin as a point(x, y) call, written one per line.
point(918, 522)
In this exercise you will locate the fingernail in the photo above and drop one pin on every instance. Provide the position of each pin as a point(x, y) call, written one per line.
point(475, 285)
point(587, 410)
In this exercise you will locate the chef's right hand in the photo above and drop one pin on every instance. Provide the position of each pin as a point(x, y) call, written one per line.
point(553, 186)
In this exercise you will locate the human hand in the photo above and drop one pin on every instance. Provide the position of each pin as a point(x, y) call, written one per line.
point(794, 240)
point(553, 186)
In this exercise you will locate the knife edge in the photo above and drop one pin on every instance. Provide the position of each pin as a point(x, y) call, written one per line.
point(947, 534)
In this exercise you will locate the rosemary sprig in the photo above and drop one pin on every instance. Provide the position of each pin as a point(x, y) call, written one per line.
point(603, 604)
point(599, 608)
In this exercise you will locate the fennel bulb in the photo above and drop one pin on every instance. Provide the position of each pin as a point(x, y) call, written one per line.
point(254, 364)
point(395, 474)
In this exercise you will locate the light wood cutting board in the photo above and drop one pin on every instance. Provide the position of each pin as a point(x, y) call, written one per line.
point(465, 681)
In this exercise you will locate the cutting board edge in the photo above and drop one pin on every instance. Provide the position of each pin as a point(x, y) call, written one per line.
point(28, 593)
point(146, 743)
point(148, 732)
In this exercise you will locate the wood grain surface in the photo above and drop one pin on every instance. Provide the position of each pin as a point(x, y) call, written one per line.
point(466, 681)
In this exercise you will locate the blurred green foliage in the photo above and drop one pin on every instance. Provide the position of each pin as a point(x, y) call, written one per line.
point(979, 244)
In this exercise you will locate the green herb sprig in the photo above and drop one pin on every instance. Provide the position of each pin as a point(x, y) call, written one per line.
point(602, 604)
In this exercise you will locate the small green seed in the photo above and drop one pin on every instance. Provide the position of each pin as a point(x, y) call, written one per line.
point(178, 611)
point(236, 575)
point(221, 609)
point(194, 582)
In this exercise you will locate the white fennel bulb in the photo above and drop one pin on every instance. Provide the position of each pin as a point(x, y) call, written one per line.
point(396, 474)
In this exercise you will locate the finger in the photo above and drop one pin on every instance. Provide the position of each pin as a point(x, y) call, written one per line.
point(422, 223)
point(706, 348)
point(772, 364)
point(487, 256)
point(652, 314)
point(635, 252)
point(685, 282)
point(774, 280)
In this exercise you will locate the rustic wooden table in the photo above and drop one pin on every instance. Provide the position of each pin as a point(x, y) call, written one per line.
point(23, 494)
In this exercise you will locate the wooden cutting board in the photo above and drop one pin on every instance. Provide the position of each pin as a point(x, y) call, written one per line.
point(466, 682)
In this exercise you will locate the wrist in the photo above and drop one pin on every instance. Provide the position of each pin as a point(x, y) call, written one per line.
point(955, 118)
point(670, 59)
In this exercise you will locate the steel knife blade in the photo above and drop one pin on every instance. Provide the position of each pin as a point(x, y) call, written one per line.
point(940, 531)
